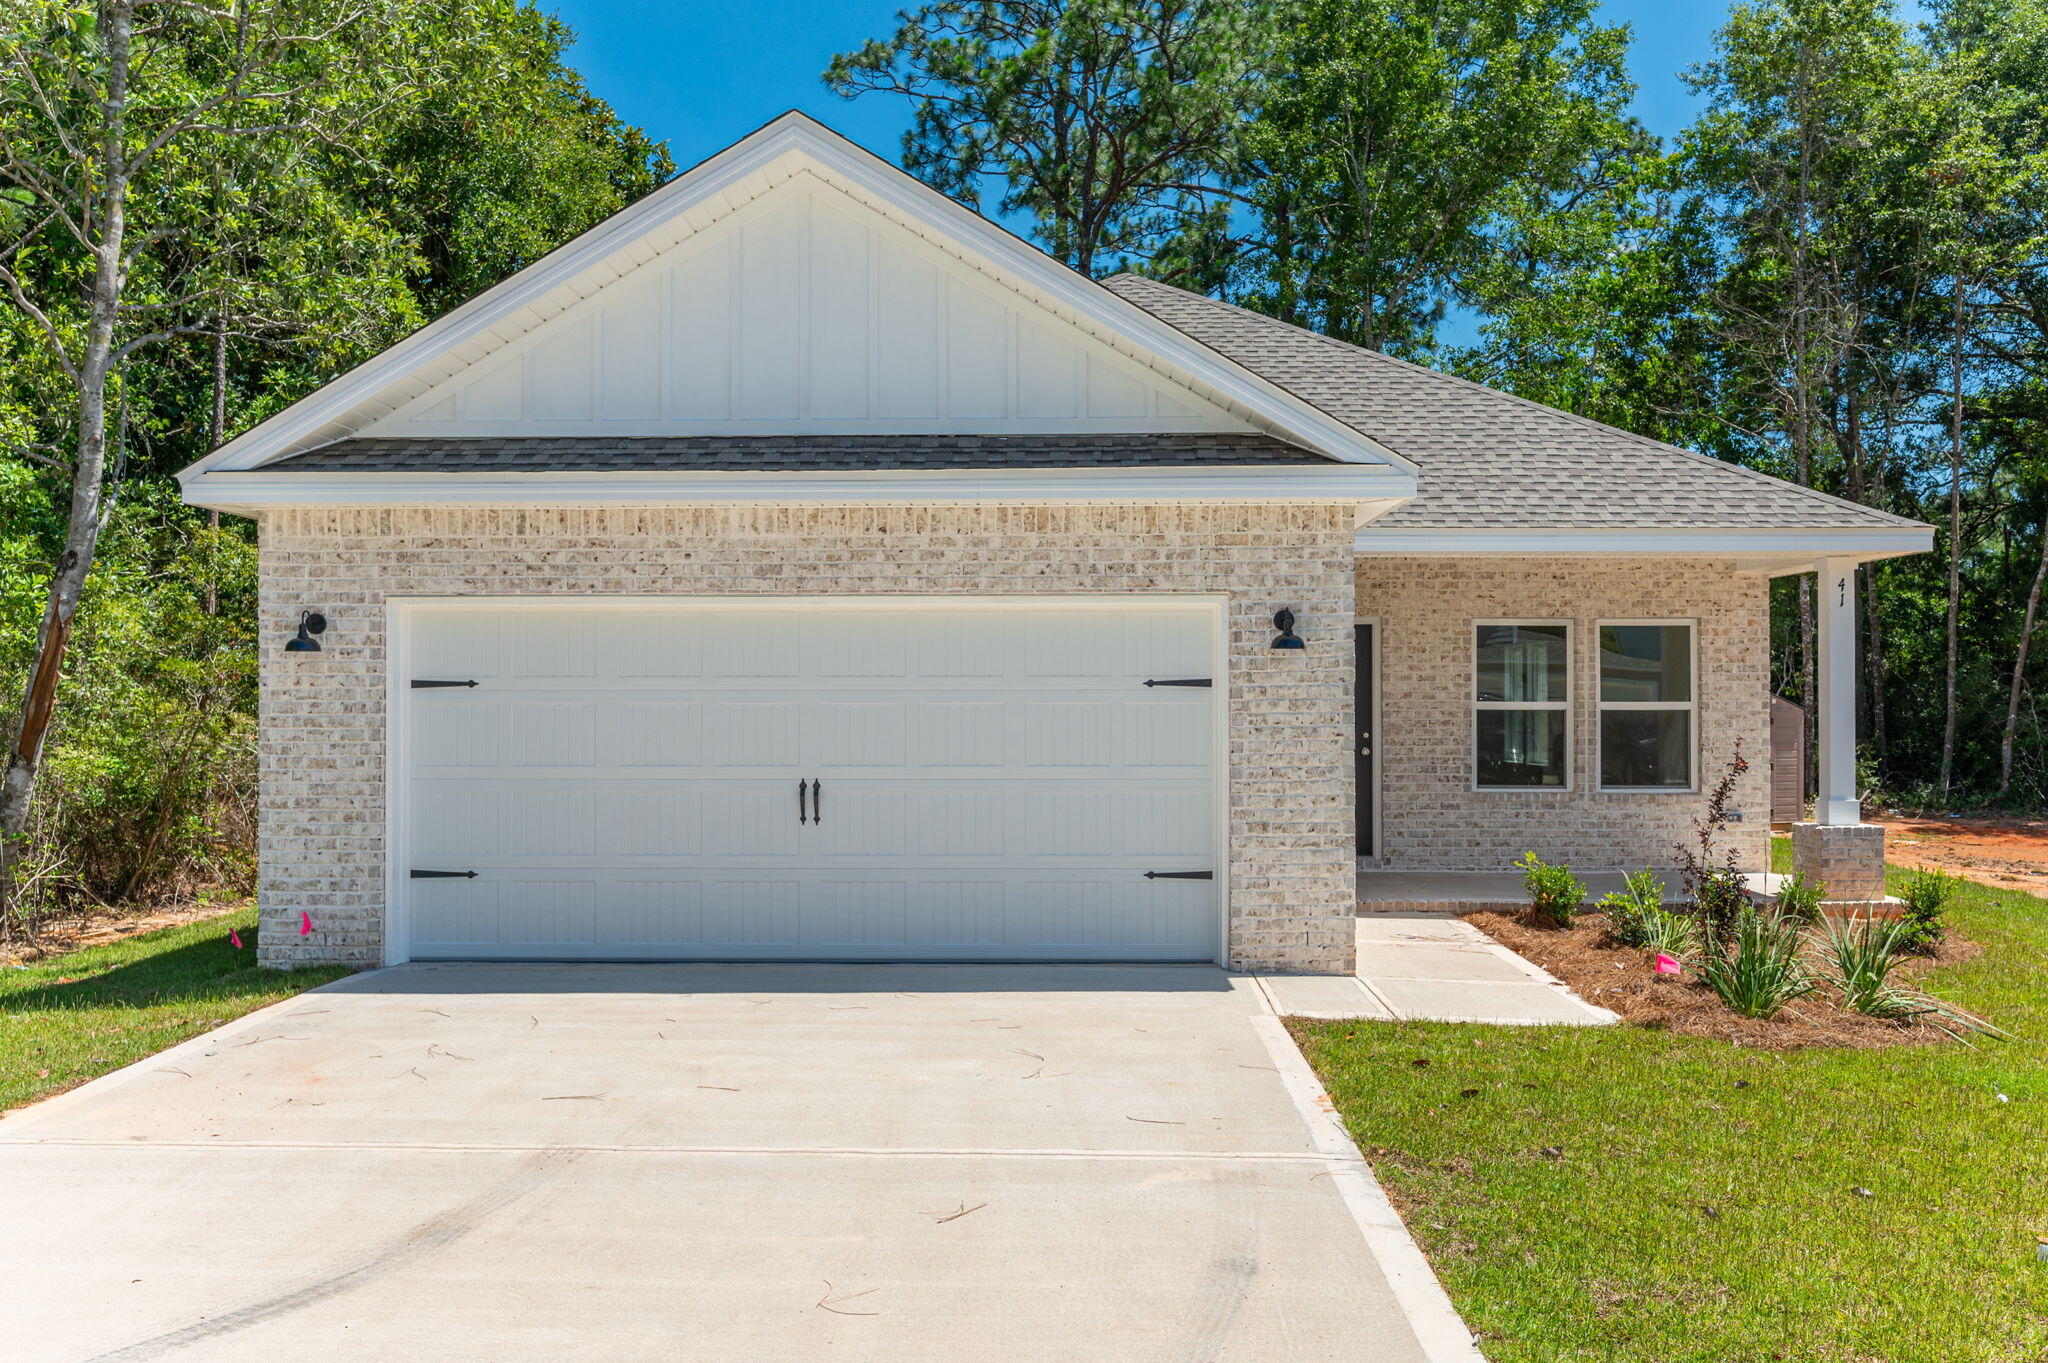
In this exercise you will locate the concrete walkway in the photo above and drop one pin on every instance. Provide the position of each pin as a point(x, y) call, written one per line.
point(751, 1163)
point(1437, 968)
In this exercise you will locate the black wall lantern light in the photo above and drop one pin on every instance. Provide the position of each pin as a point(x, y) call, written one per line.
point(1283, 620)
point(310, 624)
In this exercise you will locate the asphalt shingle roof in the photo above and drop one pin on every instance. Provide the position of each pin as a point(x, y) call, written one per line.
point(788, 453)
point(1490, 460)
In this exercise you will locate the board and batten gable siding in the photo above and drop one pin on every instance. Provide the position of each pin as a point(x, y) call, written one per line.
point(322, 741)
point(803, 310)
point(1434, 820)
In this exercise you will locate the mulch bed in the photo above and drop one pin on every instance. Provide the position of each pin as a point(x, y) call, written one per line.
point(1621, 978)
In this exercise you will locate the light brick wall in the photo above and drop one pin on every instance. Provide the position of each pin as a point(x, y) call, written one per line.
point(1434, 820)
point(322, 744)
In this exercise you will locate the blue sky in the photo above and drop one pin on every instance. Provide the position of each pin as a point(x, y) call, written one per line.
point(702, 75)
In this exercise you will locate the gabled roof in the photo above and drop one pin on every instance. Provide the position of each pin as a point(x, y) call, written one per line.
point(792, 148)
point(1489, 460)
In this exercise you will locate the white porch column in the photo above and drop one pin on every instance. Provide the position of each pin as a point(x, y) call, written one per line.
point(1835, 803)
point(1838, 851)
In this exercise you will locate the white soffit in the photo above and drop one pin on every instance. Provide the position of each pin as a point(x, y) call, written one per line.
point(1777, 551)
point(841, 294)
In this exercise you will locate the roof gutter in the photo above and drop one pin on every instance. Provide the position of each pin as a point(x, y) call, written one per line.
point(1762, 549)
point(1371, 487)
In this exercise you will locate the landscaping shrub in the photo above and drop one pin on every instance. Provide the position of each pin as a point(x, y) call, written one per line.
point(1713, 878)
point(1927, 895)
point(1555, 894)
point(1861, 953)
point(1642, 893)
point(1756, 970)
point(1799, 898)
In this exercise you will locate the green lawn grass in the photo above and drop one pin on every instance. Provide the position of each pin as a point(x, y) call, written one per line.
point(74, 1017)
point(1705, 1205)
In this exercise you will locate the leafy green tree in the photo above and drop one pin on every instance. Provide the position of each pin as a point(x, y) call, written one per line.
point(1103, 119)
point(1400, 150)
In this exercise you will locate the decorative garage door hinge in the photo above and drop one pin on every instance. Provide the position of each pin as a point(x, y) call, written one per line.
point(422, 684)
point(418, 874)
point(1180, 875)
point(1182, 681)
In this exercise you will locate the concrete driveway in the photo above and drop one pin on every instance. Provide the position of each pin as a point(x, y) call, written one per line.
point(714, 1163)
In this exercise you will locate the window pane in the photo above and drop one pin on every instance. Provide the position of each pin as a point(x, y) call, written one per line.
point(1646, 748)
point(1646, 662)
point(1521, 748)
point(1521, 662)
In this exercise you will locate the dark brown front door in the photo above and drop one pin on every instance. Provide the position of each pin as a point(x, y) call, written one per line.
point(1367, 743)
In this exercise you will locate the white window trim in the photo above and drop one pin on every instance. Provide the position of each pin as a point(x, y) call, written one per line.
point(1571, 692)
point(1690, 707)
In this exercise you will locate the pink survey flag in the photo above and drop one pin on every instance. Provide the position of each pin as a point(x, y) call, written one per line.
point(1666, 965)
point(236, 938)
point(305, 923)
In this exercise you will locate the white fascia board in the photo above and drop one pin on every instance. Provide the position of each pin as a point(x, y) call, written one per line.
point(242, 491)
point(312, 420)
point(1861, 542)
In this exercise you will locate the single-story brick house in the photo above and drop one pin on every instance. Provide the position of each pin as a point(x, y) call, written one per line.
point(798, 565)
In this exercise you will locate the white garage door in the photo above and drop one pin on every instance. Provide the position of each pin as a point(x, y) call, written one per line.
point(833, 781)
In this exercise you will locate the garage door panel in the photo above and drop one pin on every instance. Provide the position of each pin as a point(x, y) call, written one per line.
point(1070, 824)
point(856, 733)
point(639, 820)
point(657, 913)
point(751, 736)
point(945, 821)
point(455, 917)
point(549, 821)
point(465, 645)
point(749, 646)
point(1082, 645)
point(549, 913)
point(549, 645)
point(650, 645)
point(860, 822)
point(1065, 735)
point(1171, 736)
point(651, 733)
point(455, 823)
point(959, 735)
point(840, 913)
point(453, 737)
point(1164, 823)
point(548, 733)
point(751, 821)
point(994, 783)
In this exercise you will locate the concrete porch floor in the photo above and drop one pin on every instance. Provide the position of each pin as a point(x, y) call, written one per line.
point(1497, 891)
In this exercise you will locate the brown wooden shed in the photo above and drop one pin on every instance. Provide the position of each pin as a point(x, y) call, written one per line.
point(1788, 762)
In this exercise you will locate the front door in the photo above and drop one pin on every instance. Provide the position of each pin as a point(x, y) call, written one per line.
point(1367, 742)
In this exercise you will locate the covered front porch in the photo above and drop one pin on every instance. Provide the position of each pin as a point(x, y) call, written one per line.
point(1584, 706)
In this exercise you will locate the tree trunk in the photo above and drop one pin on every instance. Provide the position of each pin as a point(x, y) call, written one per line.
point(88, 507)
point(217, 436)
point(1955, 539)
point(2019, 666)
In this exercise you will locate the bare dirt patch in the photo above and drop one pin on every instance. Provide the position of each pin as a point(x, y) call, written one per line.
point(1623, 979)
point(56, 937)
point(2006, 854)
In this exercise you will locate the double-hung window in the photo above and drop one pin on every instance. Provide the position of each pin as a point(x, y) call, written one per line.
point(1648, 705)
point(1521, 705)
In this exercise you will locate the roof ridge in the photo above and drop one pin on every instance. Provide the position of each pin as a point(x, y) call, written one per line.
point(1575, 418)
